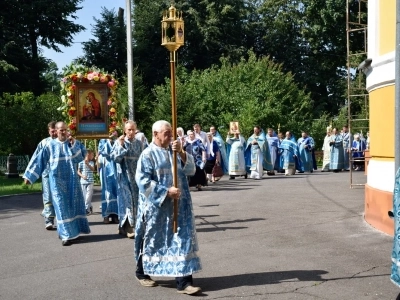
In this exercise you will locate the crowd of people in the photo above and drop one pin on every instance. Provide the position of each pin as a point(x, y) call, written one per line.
point(269, 153)
point(137, 190)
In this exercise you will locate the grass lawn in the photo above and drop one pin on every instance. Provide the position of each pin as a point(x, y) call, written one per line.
point(13, 186)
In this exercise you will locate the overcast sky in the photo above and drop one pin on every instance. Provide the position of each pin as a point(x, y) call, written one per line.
point(90, 9)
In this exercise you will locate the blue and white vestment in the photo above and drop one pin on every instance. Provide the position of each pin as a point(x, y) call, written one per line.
point(48, 208)
point(125, 158)
point(165, 253)
point(108, 179)
point(65, 187)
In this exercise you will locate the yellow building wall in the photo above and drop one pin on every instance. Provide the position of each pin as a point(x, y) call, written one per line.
point(381, 122)
point(387, 26)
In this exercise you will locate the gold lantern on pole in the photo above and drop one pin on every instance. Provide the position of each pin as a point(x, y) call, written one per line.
point(172, 37)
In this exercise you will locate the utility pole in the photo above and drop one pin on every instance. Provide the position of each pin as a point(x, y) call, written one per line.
point(129, 59)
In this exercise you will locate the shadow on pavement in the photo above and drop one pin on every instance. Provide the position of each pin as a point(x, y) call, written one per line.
point(252, 279)
point(213, 229)
point(216, 227)
point(91, 238)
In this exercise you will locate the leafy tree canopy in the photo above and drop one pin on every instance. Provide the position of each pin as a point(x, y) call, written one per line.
point(252, 92)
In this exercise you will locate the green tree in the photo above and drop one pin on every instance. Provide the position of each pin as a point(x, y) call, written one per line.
point(143, 102)
point(108, 50)
point(253, 92)
point(151, 58)
point(24, 118)
point(25, 26)
point(309, 38)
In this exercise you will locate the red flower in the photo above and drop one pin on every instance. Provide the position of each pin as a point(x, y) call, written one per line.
point(74, 78)
point(72, 112)
point(72, 126)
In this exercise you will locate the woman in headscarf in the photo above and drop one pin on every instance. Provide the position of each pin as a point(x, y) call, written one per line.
point(213, 157)
point(196, 148)
point(181, 136)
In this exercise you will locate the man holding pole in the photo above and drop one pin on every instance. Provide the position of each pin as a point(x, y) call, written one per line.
point(158, 250)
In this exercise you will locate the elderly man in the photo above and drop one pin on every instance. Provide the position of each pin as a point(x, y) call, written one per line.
point(48, 209)
point(158, 251)
point(257, 154)
point(63, 154)
point(125, 154)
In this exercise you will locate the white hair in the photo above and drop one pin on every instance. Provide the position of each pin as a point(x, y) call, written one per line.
point(158, 126)
point(181, 129)
point(130, 122)
point(189, 132)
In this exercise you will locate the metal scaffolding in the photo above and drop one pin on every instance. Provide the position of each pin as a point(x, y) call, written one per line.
point(357, 61)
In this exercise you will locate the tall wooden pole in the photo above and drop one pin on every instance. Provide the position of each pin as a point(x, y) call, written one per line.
point(172, 37)
point(174, 125)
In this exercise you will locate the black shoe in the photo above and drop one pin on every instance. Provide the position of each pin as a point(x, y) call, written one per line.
point(231, 177)
point(66, 243)
point(114, 219)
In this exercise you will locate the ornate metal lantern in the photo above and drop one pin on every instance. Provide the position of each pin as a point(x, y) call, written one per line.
point(172, 28)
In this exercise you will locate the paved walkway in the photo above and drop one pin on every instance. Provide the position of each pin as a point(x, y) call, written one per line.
point(299, 237)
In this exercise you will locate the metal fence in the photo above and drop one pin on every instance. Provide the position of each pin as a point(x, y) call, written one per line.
point(22, 162)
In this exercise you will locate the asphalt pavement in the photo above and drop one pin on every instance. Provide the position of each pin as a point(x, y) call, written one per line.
point(296, 237)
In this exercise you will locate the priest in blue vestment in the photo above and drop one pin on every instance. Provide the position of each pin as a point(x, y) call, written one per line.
point(273, 143)
point(158, 250)
point(306, 144)
point(289, 151)
point(337, 153)
point(125, 154)
point(48, 209)
point(108, 180)
point(347, 140)
point(257, 154)
point(63, 154)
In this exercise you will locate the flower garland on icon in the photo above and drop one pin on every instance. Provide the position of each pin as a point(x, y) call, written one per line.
point(79, 74)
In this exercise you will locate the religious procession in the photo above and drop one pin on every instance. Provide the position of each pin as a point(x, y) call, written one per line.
point(137, 180)
point(146, 180)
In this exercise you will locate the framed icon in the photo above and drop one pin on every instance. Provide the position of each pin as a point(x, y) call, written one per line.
point(234, 127)
point(91, 110)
